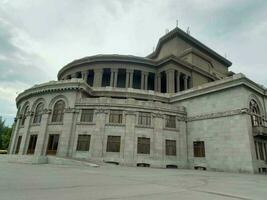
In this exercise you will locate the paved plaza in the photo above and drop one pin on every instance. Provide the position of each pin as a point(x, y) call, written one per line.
point(47, 181)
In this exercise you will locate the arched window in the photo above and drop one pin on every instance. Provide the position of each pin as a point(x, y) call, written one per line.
point(256, 115)
point(58, 111)
point(24, 115)
point(38, 113)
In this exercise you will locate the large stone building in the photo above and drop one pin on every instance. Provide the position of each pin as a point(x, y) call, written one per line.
point(179, 107)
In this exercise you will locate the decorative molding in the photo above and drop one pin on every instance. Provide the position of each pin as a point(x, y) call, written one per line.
point(157, 115)
point(130, 112)
point(70, 110)
point(219, 114)
point(47, 111)
point(101, 110)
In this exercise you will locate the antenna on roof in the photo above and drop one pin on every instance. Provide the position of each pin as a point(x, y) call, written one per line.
point(176, 22)
point(166, 30)
point(188, 30)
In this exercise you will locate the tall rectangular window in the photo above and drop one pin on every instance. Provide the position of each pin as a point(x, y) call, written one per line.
point(83, 143)
point(143, 145)
point(144, 119)
point(32, 144)
point(260, 146)
point(170, 121)
point(18, 145)
point(115, 116)
point(199, 149)
point(113, 143)
point(87, 115)
point(171, 147)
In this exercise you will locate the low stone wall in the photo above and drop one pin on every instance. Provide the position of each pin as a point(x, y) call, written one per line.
point(25, 159)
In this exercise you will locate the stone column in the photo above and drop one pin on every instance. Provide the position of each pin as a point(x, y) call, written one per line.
point(146, 80)
point(23, 144)
point(40, 149)
point(127, 79)
point(129, 138)
point(159, 82)
point(158, 139)
point(111, 78)
point(98, 77)
point(170, 80)
point(155, 83)
point(131, 79)
point(98, 138)
point(115, 77)
point(142, 80)
point(178, 81)
point(190, 82)
point(185, 82)
point(64, 138)
point(12, 145)
point(85, 75)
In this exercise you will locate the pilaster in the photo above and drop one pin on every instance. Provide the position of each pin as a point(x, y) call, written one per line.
point(98, 77)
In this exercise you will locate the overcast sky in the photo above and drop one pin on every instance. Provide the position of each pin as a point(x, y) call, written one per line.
point(38, 37)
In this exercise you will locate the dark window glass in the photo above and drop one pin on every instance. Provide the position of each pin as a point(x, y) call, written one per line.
point(171, 147)
point(87, 115)
point(113, 144)
point(143, 145)
point(58, 111)
point(170, 121)
point(255, 113)
point(199, 149)
point(26, 110)
point(38, 113)
point(115, 116)
point(52, 144)
point(32, 144)
point(18, 145)
point(144, 119)
point(83, 143)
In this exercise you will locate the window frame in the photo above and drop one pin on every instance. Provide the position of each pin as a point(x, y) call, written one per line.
point(58, 113)
point(113, 144)
point(170, 147)
point(144, 117)
point(89, 115)
point(83, 144)
point(113, 114)
point(143, 145)
point(37, 118)
point(169, 119)
point(199, 149)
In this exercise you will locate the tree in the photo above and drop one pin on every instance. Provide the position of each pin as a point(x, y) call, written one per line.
point(5, 134)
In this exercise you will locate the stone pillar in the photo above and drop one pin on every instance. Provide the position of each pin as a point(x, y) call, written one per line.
point(190, 82)
point(142, 80)
point(85, 75)
point(131, 78)
point(111, 78)
point(115, 77)
point(64, 138)
point(98, 77)
point(14, 135)
point(98, 139)
point(127, 79)
point(40, 149)
point(146, 80)
point(178, 81)
point(155, 83)
point(185, 82)
point(158, 144)
point(23, 144)
point(129, 138)
point(159, 82)
point(170, 80)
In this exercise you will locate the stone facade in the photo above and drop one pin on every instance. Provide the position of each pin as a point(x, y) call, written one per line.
point(177, 107)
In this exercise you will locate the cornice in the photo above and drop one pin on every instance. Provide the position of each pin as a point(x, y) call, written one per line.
point(188, 38)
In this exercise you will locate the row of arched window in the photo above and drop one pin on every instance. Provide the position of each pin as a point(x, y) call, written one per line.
point(57, 114)
point(256, 117)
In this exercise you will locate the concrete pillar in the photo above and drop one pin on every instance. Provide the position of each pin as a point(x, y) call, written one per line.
point(178, 81)
point(127, 79)
point(185, 82)
point(129, 138)
point(170, 80)
point(158, 144)
point(64, 138)
point(155, 83)
point(85, 75)
point(23, 144)
point(40, 149)
point(14, 135)
point(159, 82)
point(131, 79)
point(115, 77)
point(98, 77)
point(146, 80)
point(142, 80)
point(98, 139)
